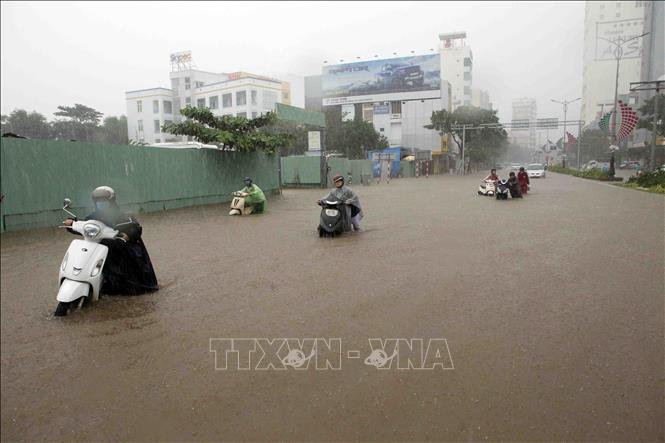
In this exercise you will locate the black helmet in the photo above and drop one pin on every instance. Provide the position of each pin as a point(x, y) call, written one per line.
point(103, 193)
point(248, 181)
point(338, 178)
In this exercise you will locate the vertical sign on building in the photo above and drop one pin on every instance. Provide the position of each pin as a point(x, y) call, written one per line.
point(314, 140)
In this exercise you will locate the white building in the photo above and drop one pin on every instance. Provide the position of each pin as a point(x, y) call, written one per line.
point(238, 94)
point(457, 67)
point(524, 111)
point(480, 99)
point(609, 20)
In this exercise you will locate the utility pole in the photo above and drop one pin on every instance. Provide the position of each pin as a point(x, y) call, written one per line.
point(463, 149)
point(579, 139)
point(653, 85)
point(565, 104)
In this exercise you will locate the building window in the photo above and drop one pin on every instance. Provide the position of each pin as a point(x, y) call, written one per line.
point(467, 76)
point(155, 106)
point(227, 100)
point(168, 122)
point(187, 83)
point(201, 103)
point(467, 61)
point(269, 99)
point(254, 114)
point(213, 102)
point(188, 100)
point(241, 114)
point(467, 90)
point(168, 107)
point(618, 14)
point(255, 98)
point(158, 140)
point(241, 98)
point(140, 125)
point(199, 84)
point(175, 82)
point(396, 107)
point(368, 112)
point(157, 127)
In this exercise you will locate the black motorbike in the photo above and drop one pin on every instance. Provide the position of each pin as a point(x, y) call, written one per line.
point(502, 190)
point(331, 222)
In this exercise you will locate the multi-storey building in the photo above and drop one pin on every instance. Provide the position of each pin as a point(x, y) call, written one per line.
point(525, 111)
point(457, 67)
point(238, 94)
point(605, 22)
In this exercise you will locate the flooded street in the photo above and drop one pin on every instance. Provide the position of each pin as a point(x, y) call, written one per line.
point(552, 308)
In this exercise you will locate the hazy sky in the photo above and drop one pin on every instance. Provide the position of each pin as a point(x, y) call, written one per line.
point(60, 53)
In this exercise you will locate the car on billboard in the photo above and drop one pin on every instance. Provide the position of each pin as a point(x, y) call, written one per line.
point(399, 76)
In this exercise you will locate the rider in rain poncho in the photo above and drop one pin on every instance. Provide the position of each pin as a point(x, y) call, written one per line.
point(344, 194)
point(256, 199)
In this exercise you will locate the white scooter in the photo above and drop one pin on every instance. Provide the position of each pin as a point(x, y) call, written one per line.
point(487, 187)
point(81, 269)
point(238, 204)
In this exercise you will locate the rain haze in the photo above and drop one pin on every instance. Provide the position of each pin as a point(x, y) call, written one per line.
point(332, 221)
point(63, 53)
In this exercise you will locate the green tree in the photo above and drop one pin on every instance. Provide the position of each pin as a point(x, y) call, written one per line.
point(81, 122)
point(228, 132)
point(594, 145)
point(646, 115)
point(113, 131)
point(481, 145)
point(351, 138)
point(31, 125)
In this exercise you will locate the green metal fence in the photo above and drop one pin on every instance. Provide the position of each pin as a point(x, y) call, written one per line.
point(304, 171)
point(36, 175)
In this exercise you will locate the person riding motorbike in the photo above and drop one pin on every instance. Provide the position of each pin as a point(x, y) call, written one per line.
point(255, 198)
point(128, 269)
point(492, 177)
point(354, 212)
point(514, 186)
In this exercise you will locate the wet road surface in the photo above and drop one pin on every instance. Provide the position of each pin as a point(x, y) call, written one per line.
point(552, 308)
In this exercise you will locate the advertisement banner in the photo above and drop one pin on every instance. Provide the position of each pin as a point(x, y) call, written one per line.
point(373, 80)
point(619, 29)
point(314, 140)
point(381, 109)
point(348, 113)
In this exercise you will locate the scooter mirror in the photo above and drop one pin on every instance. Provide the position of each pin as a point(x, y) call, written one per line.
point(67, 203)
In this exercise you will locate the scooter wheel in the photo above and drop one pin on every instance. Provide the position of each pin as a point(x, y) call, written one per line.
point(62, 308)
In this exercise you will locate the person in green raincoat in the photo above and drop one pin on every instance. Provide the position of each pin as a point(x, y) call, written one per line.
point(256, 199)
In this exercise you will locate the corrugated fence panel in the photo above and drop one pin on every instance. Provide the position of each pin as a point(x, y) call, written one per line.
point(37, 174)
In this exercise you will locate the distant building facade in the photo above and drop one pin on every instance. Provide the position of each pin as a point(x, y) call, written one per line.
point(238, 94)
point(608, 20)
point(524, 110)
point(480, 99)
point(457, 67)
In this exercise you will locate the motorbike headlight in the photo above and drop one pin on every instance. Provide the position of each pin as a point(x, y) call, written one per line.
point(64, 261)
point(97, 268)
point(91, 230)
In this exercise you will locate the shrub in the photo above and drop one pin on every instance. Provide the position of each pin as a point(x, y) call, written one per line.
point(649, 179)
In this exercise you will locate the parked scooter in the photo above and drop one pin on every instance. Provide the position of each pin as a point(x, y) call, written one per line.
point(487, 187)
point(502, 190)
point(331, 222)
point(238, 204)
point(81, 270)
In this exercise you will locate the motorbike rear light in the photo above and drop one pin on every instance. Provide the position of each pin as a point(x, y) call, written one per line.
point(97, 268)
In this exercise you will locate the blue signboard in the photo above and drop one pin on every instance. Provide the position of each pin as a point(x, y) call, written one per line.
point(392, 154)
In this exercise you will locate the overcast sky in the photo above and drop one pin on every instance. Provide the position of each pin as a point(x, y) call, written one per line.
point(60, 53)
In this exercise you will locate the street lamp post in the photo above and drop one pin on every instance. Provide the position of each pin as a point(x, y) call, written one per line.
point(618, 54)
point(565, 104)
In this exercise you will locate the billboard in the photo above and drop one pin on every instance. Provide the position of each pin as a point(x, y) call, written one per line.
point(618, 30)
point(348, 113)
point(417, 76)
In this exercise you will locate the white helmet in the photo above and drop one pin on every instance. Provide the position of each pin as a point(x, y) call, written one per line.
point(103, 193)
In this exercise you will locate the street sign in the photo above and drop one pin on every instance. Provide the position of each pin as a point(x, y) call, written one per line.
point(519, 125)
point(314, 140)
point(547, 123)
